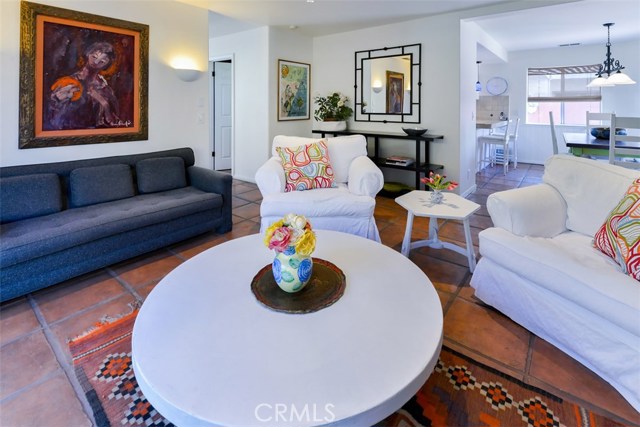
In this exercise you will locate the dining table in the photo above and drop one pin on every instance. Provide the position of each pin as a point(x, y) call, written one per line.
point(491, 124)
point(583, 144)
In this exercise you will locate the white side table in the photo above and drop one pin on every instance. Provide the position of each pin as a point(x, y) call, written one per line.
point(418, 203)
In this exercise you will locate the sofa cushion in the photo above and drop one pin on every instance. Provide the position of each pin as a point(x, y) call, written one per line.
point(28, 196)
point(619, 236)
point(569, 266)
point(160, 174)
point(306, 166)
point(99, 184)
point(590, 188)
point(24, 240)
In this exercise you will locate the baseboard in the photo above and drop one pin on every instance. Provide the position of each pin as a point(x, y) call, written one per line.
point(244, 178)
point(471, 190)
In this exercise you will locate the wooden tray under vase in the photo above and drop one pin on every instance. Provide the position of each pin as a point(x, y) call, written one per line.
point(325, 287)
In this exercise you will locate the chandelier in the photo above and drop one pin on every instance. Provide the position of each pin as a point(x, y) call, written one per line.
point(610, 66)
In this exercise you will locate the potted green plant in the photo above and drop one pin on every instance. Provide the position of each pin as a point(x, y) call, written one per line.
point(332, 112)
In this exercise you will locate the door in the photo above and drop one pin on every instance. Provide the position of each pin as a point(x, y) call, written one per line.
point(222, 115)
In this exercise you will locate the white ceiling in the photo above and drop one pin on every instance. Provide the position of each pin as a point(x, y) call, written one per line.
point(323, 17)
point(538, 27)
point(577, 22)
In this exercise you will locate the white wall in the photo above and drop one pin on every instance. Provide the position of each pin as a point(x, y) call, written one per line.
point(534, 141)
point(291, 46)
point(250, 50)
point(333, 59)
point(174, 106)
point(256, 53)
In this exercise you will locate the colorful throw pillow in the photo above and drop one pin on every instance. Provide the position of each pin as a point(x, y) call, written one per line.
point(619, 236)
point(307, 166)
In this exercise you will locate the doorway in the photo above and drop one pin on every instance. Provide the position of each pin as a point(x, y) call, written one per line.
point(222, 113)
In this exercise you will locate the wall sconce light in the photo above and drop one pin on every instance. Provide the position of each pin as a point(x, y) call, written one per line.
point(377, 86)
point(612, 67)
point(186, 69)
point(187, 75)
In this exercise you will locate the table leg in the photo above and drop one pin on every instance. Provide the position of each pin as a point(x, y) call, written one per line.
point(418, 164)
point(406, 242)
point(471, 255)
point(434, 241)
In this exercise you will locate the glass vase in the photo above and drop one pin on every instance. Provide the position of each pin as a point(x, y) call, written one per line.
point(436, 197)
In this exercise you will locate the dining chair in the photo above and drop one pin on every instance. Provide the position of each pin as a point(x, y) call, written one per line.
point(619, 155)
point(554, 137)
point(597, 120)
point(489, 147)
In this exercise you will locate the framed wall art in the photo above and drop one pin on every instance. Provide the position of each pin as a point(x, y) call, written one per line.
point(395, 92)
point(83, 78)
point(294, 79)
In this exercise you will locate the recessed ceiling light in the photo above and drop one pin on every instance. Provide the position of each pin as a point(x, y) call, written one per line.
point(293, 27)
point(311, 1)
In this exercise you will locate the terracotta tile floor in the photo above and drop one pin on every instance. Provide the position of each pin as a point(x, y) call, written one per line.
point(37, 387)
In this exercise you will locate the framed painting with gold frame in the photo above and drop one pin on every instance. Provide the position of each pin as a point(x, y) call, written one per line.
point(395, 92)
point(83, 78)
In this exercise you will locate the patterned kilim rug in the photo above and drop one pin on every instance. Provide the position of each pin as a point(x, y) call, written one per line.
point(460, 392)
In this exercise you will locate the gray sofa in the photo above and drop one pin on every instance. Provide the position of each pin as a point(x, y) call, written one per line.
point(61, 220)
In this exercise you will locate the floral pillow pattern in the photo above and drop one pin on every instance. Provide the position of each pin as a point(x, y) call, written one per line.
point(307, 166)
point(619, 236)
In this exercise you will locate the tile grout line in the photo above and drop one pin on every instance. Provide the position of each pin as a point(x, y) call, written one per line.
point(125, 284)
point(485, 356)
point(22, 336)
point(59, 354)
point(527, 363)
point(30, 386)
point(87, 309)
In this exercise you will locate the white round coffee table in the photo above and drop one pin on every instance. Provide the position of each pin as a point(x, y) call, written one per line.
point(206, 352)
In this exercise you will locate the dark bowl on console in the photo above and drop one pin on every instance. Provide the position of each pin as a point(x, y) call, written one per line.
point(414, 131)
point(603, 133)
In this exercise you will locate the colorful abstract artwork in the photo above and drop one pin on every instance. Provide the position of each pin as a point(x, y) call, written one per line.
point(294, 80)
point(83, 78)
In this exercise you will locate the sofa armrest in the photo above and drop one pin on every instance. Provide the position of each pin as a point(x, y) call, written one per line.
point(365, 178)
point(214, 182)
point(537, 211)
point(270, 177)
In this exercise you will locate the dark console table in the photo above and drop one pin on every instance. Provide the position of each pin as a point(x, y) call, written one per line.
point(418, 167)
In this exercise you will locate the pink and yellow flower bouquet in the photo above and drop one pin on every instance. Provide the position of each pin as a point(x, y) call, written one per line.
point(437, 182)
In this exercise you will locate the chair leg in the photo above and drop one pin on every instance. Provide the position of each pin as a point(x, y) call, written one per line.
point(505, 158)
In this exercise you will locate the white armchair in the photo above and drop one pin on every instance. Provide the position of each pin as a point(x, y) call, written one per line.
point(348, 207)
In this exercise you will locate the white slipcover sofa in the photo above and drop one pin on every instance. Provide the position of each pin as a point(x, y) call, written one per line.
point(348, 207)
point(539, 267)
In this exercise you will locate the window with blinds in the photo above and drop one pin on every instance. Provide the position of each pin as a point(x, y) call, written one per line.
point(564, 91)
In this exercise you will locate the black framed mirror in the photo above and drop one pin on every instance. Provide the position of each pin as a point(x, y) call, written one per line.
point(388, 84)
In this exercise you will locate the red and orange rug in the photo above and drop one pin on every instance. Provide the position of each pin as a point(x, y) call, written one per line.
point(460, 392)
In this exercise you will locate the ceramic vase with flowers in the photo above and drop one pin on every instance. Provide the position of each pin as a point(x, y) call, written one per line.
point(332, 112)
point(293, 241)
point(437, 183)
